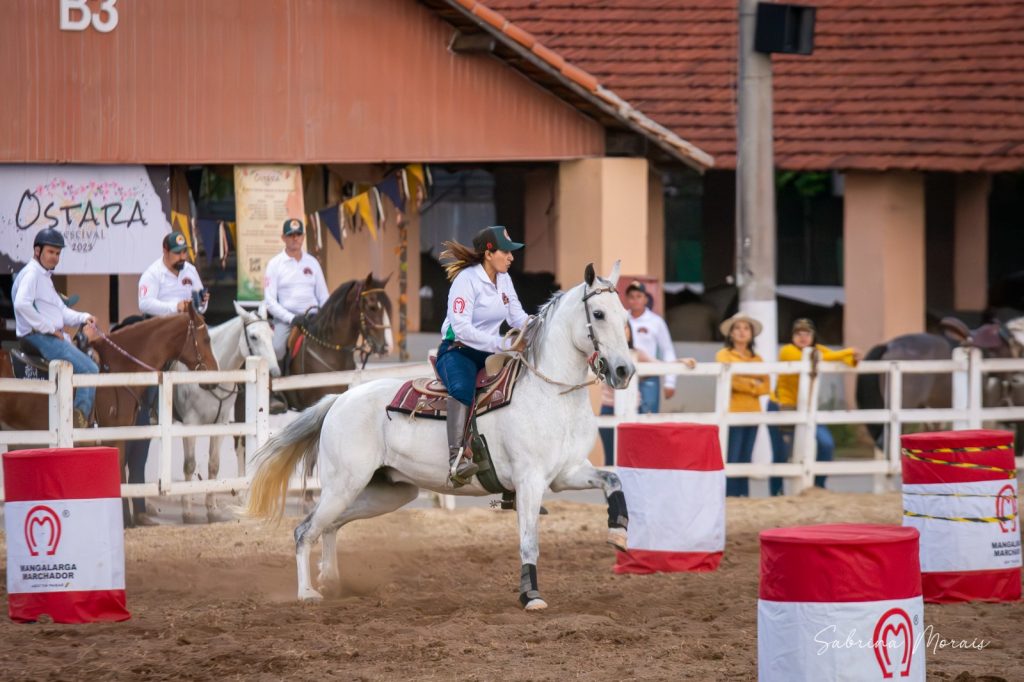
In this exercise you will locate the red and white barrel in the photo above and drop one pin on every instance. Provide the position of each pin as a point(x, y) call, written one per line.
point(840, 602)
point(65, 535)
point(674, 482)
point(960, 492)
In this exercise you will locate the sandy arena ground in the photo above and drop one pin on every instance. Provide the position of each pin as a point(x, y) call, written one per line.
point(430, 595)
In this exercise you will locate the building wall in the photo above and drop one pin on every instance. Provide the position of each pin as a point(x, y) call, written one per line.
point(250, 81)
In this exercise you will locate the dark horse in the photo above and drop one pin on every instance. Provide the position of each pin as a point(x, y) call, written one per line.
point(996, 340)
point(355, 319)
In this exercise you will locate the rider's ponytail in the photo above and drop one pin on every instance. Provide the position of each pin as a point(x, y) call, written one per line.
point(460, 257)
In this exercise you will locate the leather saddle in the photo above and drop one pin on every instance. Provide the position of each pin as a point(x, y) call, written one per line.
point(28, 363)
point(427, 396)
point(992, 338)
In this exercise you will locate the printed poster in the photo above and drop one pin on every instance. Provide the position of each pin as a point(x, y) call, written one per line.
point(112, 217)
point(265, 196)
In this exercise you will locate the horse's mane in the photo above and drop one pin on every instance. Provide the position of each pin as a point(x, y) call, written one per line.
point(127, 333)
point(333, 309)
point(537, 327)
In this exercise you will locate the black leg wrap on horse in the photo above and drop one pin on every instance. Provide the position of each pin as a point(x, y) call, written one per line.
point(618, 517)
point(528, 584)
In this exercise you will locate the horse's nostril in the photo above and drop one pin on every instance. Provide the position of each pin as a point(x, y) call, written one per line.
point(621, 371)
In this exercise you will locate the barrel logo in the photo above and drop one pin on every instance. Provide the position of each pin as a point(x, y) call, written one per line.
point(1006, 508)
point(894, 632)
point(42, 530)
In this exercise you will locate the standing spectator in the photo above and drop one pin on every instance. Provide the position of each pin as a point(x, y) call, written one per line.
point(608, 398)
point(650, 335)
point(739, 332)
point(167, 287)
point(804, 336)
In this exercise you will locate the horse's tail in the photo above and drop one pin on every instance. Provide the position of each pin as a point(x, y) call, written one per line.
point(276, 460)
point(869, 389)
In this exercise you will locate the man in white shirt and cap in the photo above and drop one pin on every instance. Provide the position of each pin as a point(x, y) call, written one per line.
point(41, 315)
point(165, 288)
point(294, 284)
point(650, 334)
point(171, 281)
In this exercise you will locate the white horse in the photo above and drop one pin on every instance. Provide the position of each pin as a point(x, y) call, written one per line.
point(242, 336)
point(372, 463)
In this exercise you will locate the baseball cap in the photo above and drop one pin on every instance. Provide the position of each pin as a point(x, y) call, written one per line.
point(494, 237)
point(175, 242)
point(803, 324)
point(291, 226)
point(636, 285)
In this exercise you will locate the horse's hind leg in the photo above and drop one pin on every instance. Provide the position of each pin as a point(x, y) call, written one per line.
point(212, 471)
point(586, 476)
point(379, 497)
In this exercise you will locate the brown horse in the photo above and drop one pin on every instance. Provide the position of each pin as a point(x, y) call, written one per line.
point(356, 318)
point(150, 344)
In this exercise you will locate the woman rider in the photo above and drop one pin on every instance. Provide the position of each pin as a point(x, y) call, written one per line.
point(480, 299)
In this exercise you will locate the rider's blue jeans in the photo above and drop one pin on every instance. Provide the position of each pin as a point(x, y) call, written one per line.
point(52, 348)
point(458, 366)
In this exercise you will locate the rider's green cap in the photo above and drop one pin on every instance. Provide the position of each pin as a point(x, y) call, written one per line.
point(291, 226)
point(175, 242)
point(493, 238)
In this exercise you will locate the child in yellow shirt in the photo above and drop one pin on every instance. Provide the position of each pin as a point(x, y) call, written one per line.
point(739, 332)
point(784, 398)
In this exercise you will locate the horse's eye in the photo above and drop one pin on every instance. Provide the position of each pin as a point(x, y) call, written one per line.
point(598, 314)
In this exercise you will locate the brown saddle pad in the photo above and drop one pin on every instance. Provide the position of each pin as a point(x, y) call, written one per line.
point(427, 396)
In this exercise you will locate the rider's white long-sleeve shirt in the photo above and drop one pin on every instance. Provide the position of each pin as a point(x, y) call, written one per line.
point(160, 290)
point(37, 305)
point(293, 286)
point(477, 307)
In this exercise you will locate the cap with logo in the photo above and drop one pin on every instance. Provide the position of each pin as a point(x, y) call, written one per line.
point(636, 285)
point(494, 238)
point(803, 324)
point(291, 226)
point(175, 242)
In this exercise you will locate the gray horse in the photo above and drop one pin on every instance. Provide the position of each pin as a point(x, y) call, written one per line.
point(996, 340)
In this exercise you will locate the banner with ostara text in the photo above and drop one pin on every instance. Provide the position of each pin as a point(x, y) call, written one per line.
point(265, 196)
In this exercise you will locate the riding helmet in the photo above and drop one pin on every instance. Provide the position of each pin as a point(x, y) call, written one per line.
point(49, 237)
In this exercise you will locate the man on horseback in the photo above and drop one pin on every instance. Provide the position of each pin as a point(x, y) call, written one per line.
point(481, 298)
point(41, 316)
point(167, 286)
point(294, 283)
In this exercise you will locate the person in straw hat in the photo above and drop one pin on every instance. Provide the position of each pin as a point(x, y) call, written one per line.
point(739, 332)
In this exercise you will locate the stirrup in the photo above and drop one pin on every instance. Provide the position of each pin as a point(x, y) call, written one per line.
point(461, 470)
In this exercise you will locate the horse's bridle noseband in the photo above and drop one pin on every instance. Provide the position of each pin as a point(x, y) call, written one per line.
point(597, 362)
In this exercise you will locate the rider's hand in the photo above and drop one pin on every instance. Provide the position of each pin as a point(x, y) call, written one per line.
point(90, 330)
point(182, 306)
point(206, 298)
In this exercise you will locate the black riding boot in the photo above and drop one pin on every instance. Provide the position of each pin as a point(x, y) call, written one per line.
point(460, 468)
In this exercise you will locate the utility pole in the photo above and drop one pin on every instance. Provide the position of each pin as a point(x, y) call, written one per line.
point(755, 185)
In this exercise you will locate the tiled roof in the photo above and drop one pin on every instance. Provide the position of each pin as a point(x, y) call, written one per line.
point(525, 52)
point(892, 84)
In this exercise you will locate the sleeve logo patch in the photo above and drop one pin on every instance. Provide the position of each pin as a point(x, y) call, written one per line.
point(459, 305)
point(143, 291)
point(504, 298)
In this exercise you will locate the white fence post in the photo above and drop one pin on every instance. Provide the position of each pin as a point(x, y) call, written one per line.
point(723, 393)
point(974, 391)
point(961, 388)
point(894, 392)
point(165, 413)
point(805, 441)
point(257, 405)
point(62, 404)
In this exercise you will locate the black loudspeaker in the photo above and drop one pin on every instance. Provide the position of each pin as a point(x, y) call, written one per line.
point(784, 28)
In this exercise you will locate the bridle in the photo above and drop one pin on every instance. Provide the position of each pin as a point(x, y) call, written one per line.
point(366, 344)
point(217, 391)
point(598, 364)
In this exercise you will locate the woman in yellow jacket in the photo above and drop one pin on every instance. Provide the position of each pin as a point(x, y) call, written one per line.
point(739, 332)
point(804, 336)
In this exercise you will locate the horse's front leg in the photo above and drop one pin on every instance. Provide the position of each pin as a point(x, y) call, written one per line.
point(188, 445)
point(212, 470)
point(585, 476)
point(528, 499)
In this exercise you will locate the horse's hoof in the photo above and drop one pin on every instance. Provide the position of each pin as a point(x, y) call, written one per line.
point(617, 539)
point(309, 594)
point(535, 605)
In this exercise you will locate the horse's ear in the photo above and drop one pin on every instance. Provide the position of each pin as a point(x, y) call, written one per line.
point(241, 312)
point(613, 276)
point(588, 275)
point(368, 283)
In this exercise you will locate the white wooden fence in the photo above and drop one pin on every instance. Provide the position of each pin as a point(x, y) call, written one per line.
point(967, 367)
